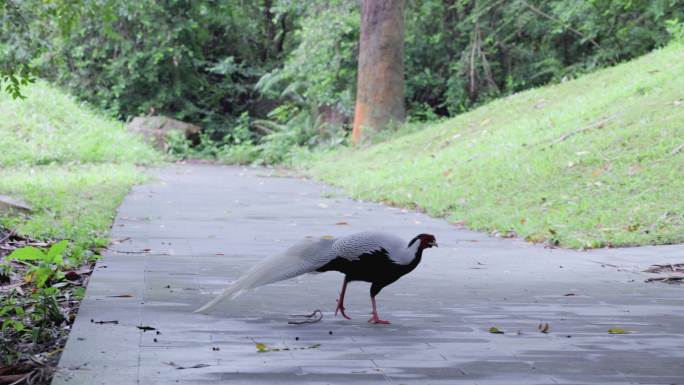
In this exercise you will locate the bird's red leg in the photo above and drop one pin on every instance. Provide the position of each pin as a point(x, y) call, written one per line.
point(340, 302)
point(375, 318)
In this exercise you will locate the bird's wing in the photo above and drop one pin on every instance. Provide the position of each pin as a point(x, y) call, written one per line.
point(353, 246)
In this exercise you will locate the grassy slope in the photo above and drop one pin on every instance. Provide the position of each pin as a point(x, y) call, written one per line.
point(71, 164)
point(619, 182)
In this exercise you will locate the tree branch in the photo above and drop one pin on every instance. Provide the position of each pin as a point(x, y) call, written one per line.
point(546, 15)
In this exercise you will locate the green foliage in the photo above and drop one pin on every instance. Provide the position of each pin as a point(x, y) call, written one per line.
point(676, 29)
point(195, 61)
point(15, 78)
point(301, 127)
point(322, 68)
point(16, 46)
point(53, 256)
point(44, 267)
point(591, 162)
point(18, 324)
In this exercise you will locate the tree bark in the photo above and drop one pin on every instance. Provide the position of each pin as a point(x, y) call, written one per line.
point(380, 83)
point(269, 29)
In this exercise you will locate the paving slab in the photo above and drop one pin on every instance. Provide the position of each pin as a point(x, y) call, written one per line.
point(178, 240)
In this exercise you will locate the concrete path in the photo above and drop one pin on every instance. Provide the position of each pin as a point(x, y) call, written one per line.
point(181, 238)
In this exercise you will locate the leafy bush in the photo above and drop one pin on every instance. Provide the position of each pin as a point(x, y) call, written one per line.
point(193, 60)
point(676, 29)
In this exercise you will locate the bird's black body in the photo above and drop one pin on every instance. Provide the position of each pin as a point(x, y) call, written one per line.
point(376, 267)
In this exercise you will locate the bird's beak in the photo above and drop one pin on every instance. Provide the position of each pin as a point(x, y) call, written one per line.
point(434, 244)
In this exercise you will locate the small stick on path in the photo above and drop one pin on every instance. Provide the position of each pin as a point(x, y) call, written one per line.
point(314, 317)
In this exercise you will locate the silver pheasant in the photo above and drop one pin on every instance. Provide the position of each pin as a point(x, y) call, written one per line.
point(372, 257)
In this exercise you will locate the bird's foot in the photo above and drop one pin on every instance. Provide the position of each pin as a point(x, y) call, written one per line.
point(376, 320)
point(340, 308)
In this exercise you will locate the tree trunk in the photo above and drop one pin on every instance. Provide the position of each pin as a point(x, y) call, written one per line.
point(380, 89)
point(269, 29)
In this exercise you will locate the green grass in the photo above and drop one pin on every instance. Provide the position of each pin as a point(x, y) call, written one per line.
point(52, 127)
point(73, 165)
point(586, 163)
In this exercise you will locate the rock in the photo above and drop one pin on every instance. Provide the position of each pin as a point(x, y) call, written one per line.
point(156, 129)
point(9, 205)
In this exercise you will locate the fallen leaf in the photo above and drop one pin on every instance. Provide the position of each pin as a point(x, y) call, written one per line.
point(262, 348)
point(523, 221)
point(71, 275)
point(145, 328)
point(146, 250)
point(666, 268)
point(632, 227)
point(495, 330)
point(120, 296)
point(617, 331)
point(569, 294)
point(340, 223)
point(196, 366)
point(114, 322)
point(220, 254)
point(671, 280)
point(484, 122)
point(634, 169)
point(446, 173)
point(544, 328)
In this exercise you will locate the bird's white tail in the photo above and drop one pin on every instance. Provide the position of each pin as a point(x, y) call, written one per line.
point(231, 291)
point(303, 257)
